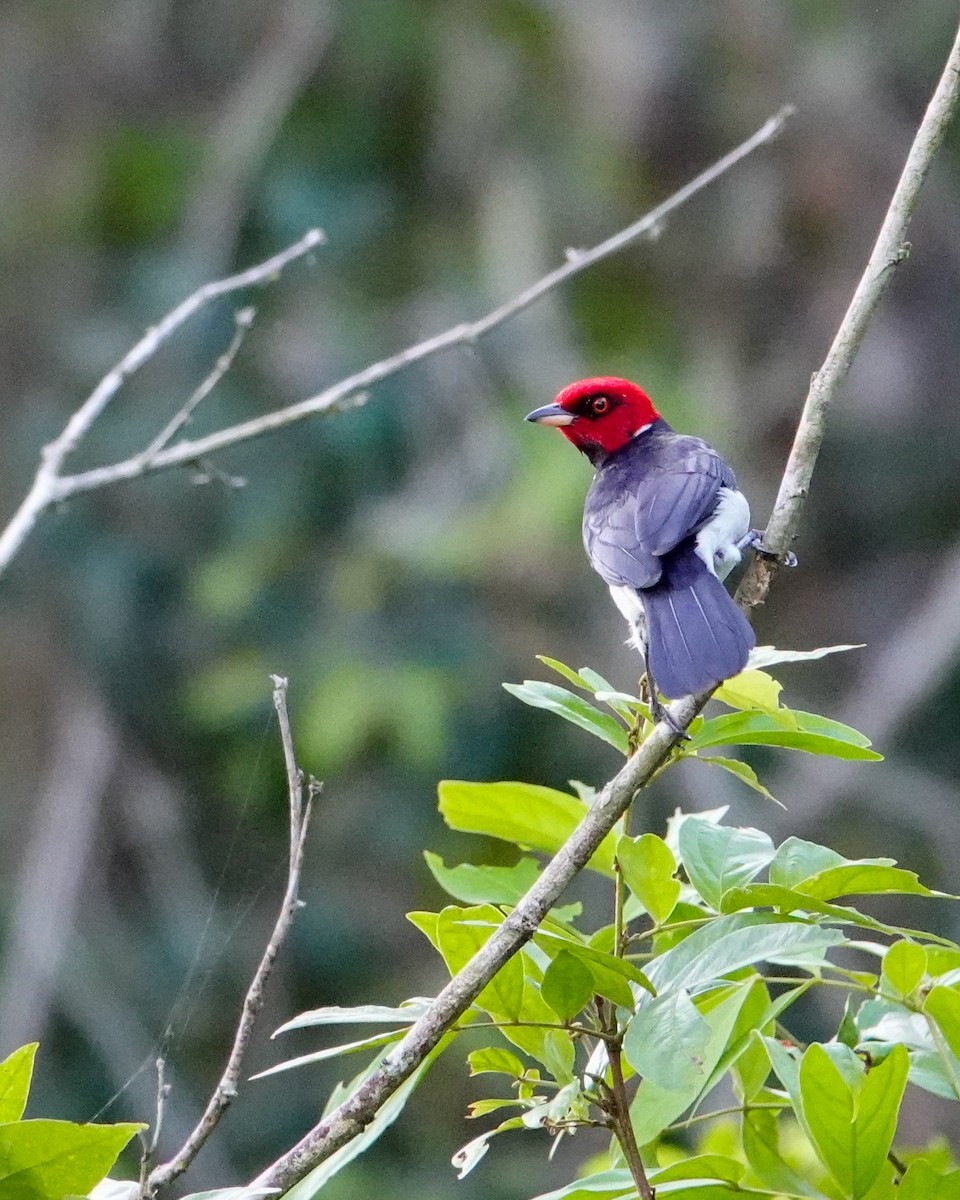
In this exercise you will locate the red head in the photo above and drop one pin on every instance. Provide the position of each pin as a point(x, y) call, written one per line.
point(598, 415)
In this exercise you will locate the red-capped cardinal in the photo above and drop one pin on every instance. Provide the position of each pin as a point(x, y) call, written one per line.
point(663, 524)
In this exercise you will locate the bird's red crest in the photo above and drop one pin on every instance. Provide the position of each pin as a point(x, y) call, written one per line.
point(607, 412)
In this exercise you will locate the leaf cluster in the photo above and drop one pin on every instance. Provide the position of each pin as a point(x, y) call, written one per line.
point(43, 1159)
point(714, 934)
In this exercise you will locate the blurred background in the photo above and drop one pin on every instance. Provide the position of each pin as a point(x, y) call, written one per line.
point(400, 560)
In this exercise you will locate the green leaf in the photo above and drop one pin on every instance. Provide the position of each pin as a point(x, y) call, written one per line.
point(16, 1071)
point(814, 735)
point(904, 965)
point(852, 1128)
point(943, 1004)
point(769, 656)
point(847, 1032)
point(45, 1160)
point(603, 1185)
point(655, 1107)
point(718, 858)
point(785, 1062)
point(755, 1014)
point(611, 975)
point(572, 708)
point(484, 884)
point(568, 673)
point(699, 1166)
point(625, 706)
point(304, 1060)
point(743, 771)
point(823, 874)
point(752, 1067)
point(461, 932)
point(731, 942)
point(427, 923)
point(863, 879)
point(494, 1060)
point(648, 866)
point(924, 1182)
point(797, 860)
point(567, 985)
point(522, 813)
point(362, 1014)
point(483, 1108)
point(761, 1145)
point(666, 1041)
point(753, 689)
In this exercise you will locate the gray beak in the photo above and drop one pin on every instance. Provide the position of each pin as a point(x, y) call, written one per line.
point(550, 414)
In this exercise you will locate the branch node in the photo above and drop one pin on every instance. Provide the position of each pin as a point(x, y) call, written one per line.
point(205, 472)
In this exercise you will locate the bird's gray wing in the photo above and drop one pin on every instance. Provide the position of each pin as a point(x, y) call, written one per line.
point(627, 531)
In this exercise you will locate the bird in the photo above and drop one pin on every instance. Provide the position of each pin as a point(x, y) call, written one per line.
point(663, 525)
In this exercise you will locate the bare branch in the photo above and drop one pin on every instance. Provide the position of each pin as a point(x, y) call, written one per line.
point(350, 1117)
point(343, 393)
point(890, 249)
point(226, 1089)
point(48, 485)
point(242, 321)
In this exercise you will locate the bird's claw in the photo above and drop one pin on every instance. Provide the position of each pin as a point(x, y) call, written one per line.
point(659, 712)
point(753, 540)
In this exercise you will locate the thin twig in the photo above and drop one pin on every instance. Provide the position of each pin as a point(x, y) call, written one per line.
point(890, 249)
point(242, 321)
point(150, 1141)
point(226, 1089)
point(50, 487)
point(47, 487)
point(350, 1117)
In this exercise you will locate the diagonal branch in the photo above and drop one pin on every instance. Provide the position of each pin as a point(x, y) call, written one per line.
point(339, 394)
point(226, 1089)
point(50, 487)
point(350, 1117)
point(890, 249)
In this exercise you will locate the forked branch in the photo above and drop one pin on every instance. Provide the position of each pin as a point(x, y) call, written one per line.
point(51, 486)
point(226, 1089)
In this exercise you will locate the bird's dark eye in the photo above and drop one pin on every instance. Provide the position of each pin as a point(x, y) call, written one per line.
point(599, 405)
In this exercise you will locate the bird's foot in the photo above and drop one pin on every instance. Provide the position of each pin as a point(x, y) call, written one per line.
point(753, 540)
point(659, 712)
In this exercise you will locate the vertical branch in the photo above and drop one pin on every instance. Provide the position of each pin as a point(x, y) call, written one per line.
point(226, 1089)
point(623, 1126)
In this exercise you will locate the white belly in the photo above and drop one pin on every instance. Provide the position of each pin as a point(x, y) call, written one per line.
point(629, 603)
point(717, 542)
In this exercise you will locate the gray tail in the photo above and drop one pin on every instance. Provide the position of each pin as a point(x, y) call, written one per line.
point(696, 635)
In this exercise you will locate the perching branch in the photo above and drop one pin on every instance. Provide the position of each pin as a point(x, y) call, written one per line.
point(890, 249)
point(349, 1118)
point(226, 1089)
point(50, 487)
